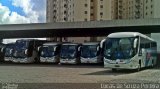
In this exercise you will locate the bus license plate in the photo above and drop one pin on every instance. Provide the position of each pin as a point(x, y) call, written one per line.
point(117, 66)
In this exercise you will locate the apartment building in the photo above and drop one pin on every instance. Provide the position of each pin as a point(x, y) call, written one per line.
point(138, 9)
point(98, 10)
point(60, 10)
point(78, 10)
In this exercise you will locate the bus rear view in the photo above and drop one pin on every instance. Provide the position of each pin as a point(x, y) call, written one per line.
point(50, 53)
point(129, 50)
point(70, 53)
point(91, 53)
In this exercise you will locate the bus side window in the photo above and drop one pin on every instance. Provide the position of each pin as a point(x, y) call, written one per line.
point(147, 45)
point(153, 44)
point(142, 46)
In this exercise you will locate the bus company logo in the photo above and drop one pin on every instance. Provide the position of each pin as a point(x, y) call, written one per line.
point(9, 86)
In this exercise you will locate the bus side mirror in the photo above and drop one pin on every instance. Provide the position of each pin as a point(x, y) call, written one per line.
point(135, 43)
point(10, 51)
point(39, 48)
point(102, 42)
point(2, 50)
point(79, 48)
point(98, 48)
point(26, 51)
point(55, 48)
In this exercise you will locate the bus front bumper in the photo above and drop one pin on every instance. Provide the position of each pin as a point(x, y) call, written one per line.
point(49, 60)
point(89, 60)
point(129, 65)
point(8, 59)
point(68, 61)
point(22, 60)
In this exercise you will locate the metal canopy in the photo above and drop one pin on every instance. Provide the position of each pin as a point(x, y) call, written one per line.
point(79, 29)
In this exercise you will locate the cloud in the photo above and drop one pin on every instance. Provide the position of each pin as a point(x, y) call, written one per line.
point(26, 5)
point(33, 13)
point(34, 9)
point(8, 17)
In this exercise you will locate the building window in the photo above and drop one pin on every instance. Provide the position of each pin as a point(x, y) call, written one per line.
point(92, 14)
point(151, 12)
point(92, 7)
point(65, 12)
point(85, 12)
point(101, 13)
point(91, 0)
point(55, 11)
point(101, 6)
point(65, 19)
point(85, 5)
point(65, 5)
point(146, 13)
point(85, 19)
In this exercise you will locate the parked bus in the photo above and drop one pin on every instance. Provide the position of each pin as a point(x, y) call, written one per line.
point(129, 50)
point(8, 52)
point(2, 46)
point(70, 53)
point(91, 53)
point(50, 52)
point(26, 50)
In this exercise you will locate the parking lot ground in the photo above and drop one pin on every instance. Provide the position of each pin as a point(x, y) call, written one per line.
point(83, 73)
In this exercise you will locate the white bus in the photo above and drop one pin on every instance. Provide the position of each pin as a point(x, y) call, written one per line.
point(50, 52)
point(129, 50)
point(70, 53)
point(26, 51)
point(8, 52)
point(91, 53)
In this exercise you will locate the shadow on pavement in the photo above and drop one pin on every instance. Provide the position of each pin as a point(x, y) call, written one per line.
point(115, 73)
point(53, 65)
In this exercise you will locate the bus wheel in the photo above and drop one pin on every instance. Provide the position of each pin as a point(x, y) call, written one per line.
point(114, 70)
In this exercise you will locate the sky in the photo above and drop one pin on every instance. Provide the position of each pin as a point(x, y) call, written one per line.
point(22, 11)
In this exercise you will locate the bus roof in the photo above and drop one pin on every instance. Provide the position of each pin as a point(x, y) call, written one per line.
point(91, 43)
point(128, 34)
point(52, 43)
point(71, 44)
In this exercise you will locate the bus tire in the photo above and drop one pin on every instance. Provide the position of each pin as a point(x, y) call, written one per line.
point(114, 70)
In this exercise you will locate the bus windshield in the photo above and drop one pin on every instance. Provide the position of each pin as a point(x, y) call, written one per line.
point(21, 44)
point(48, 51)
point(68, 51)
point(119, 48)
point(8, 49)
point(20, 47)
point(89, 51)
